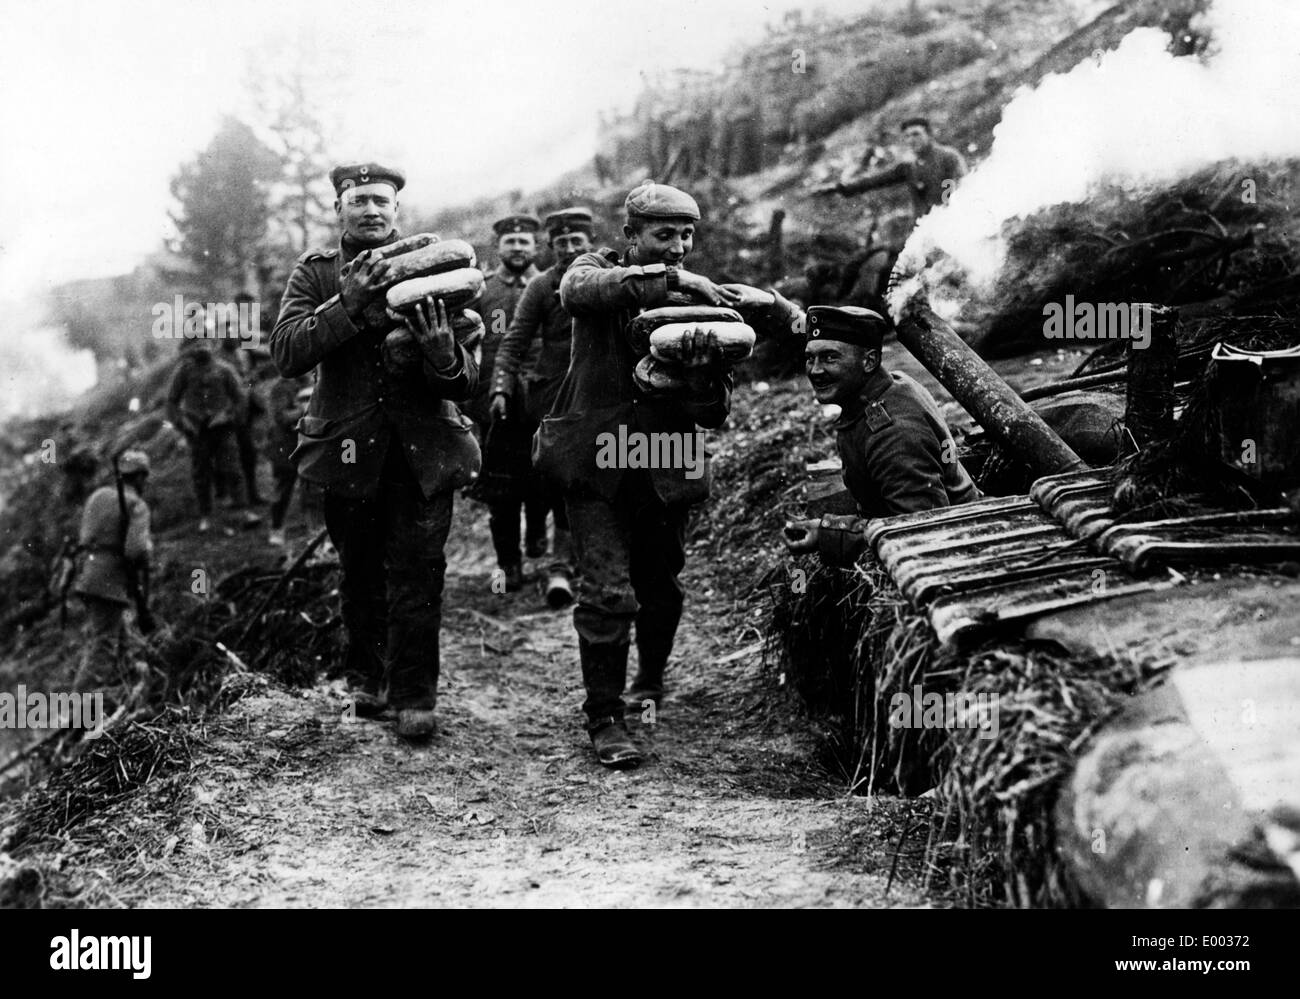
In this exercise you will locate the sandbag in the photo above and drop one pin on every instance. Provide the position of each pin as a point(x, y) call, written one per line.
point(735, 341)
point(642, 326)
point(456, 288)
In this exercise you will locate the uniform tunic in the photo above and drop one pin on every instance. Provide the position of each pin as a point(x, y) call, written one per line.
point(899, 457)
point(502, 290)
point(103, 572)
point(924, 177)
point(534, 355)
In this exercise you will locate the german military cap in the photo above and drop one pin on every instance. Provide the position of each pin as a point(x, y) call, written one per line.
point(133, 461)
point(567, 220)
point(516, 223)
point(847, 324)
point(357, 174)
point(659, 201)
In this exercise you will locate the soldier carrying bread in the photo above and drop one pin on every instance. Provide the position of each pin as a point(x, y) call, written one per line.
point(629, 522)
point(382, 436)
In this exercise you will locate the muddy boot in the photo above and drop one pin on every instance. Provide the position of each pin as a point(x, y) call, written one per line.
point(366, 704)
point(604, 672)
point(416, 724)
point(614, 747)
point(652, 659)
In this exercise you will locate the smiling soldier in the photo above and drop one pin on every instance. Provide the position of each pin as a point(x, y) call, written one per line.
point(898, 454)
point(387, 447)
point(629, 524)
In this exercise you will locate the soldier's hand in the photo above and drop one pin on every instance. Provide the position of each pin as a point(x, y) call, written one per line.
point(748, 297)
point(499, 407)
point(801, 536)
point(360, 281)
point(704, 289)
point(431, 328)
point(700, 352)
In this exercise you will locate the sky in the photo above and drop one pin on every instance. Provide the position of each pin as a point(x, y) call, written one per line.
point(104, 100)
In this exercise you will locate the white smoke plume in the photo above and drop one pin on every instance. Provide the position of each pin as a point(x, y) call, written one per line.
point(39, 371)
point(1134, 117)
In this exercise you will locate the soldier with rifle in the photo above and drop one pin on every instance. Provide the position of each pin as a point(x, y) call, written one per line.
point(116, 545)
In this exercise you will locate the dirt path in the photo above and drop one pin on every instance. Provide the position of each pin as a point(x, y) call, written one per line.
point(293, 804)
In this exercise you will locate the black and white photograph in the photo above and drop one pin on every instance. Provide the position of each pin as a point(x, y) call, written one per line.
point(705, 455)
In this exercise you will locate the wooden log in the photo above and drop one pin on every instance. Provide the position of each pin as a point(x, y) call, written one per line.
point(990, 400)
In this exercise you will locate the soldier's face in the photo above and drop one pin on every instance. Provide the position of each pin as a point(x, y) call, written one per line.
point(569, 247)
point(838, 371)
point(517, 250)
point(367, 212)
point(665, 241)
point(917, 138)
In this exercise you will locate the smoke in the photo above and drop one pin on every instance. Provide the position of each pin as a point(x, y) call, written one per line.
point(41, 371)
point(1136, 118)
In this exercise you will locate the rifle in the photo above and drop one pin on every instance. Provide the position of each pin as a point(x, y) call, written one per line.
point(137, 577)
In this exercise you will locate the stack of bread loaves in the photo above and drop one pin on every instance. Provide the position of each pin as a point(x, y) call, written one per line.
point(659, 334)
point(424, 266)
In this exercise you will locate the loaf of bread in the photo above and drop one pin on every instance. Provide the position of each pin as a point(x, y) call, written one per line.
point(434, 258)
point(735, 341)
point(642, 326)
point(416, 242)
point(656, 379)
point(457, 288)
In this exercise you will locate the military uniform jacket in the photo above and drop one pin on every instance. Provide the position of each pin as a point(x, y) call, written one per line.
point(205, 391)
point(529, 372)
point(502, 291)
point(924, 177)
point(103, 567)
point(894, 451)
point(359, 408)
point(598, 395)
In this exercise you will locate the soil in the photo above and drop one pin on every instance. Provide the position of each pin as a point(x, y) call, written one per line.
point(289, 801)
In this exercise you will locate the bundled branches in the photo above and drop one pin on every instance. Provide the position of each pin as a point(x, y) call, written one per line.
point(994, 836)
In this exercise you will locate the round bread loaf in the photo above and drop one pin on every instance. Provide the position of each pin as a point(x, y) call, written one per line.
point(642, 326)
point(735, 341)
point(435, 258)
point(406, 245)
point(655, 378)
point(456, 289)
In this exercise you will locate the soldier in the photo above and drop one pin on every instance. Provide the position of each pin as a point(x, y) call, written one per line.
point(930, 175)
point(388, 447)
point(629, 524)
point(502, 288)
point(116, 550)
point(526, 381)
point(506, 444)
point(242, 358)
point(204, 401)
point(288, 402)
point(898, 454)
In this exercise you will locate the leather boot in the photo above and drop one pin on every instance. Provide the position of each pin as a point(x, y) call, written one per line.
point(604, 673)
